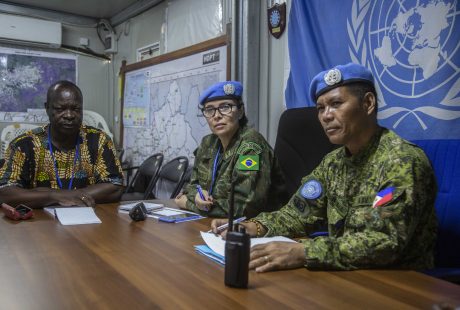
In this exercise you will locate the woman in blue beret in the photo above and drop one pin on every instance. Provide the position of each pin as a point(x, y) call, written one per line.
point(236, 153)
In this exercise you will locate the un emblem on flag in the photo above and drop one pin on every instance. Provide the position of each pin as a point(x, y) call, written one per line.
point(413, 49)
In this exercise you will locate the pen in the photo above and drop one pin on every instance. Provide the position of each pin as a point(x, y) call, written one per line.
point(223, 227)
point(200, 192)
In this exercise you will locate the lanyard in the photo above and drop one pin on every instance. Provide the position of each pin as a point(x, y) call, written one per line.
point(214, 171)
point(58, 179)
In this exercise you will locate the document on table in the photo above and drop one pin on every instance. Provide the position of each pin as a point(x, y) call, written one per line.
point(174, 215)
point(165, 212)
point(74, 215)
point(150, 206)
point(157, 210)
point(215, 245)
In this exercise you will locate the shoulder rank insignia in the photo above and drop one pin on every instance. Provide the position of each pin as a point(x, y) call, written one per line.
point(248, 162)
point(311, 190)
point(252, 147)
point(299, 203)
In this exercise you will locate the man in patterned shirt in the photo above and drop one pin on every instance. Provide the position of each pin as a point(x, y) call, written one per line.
point(376, 193)
point(62, 163)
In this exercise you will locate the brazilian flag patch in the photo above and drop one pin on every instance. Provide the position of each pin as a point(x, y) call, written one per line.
point(248, 162)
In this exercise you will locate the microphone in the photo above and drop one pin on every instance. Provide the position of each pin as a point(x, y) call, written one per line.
point(237, 249)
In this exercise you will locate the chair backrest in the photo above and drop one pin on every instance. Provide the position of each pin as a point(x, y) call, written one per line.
point(445, 159)
point(146, 175)
point(187, 175)
point(12, 131)
point(94, 119)
point(300, 145)
point(171, 178)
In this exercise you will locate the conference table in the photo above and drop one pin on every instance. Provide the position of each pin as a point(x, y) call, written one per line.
point(121, 264)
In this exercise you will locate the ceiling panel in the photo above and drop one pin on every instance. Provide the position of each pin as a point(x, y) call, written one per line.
point(89, 8)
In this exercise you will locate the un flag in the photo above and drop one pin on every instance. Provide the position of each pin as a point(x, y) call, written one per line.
point(411, 46)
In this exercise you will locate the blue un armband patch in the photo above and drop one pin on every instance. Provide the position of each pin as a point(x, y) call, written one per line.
point(311, 190)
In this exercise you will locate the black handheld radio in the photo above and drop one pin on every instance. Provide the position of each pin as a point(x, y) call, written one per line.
point(237, 249)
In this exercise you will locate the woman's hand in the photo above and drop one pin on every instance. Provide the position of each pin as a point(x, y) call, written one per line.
point(181, 201)
point(206, 204)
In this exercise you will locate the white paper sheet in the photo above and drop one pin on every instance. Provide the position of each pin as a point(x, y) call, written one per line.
point(217, 244)
point(75, 216)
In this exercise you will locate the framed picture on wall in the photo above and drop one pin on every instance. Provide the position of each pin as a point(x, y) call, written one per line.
point(160, 100)
point(25, 76)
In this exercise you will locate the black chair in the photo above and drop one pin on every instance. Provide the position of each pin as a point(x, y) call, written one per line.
point(187, 178)
point(445, 159)
point(170, 179)
point(127, 170)
point(300, 145)
point(120, 153)
point(144, 179)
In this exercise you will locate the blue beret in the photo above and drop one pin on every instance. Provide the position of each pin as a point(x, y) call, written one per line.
point(222, 90)
point(339, 76)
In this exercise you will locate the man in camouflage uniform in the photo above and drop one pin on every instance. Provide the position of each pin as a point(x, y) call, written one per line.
point(376, 193)
point(234, 153)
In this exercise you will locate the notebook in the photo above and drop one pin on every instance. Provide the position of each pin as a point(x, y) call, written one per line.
point(74, 215)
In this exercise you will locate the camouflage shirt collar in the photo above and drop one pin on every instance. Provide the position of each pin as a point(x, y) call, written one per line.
point(232, 146)
point(370, 148)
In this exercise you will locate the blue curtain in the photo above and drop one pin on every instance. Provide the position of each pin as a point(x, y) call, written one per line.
point(411, 46)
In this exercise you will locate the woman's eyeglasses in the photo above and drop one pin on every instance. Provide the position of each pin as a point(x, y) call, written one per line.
point(224, 109)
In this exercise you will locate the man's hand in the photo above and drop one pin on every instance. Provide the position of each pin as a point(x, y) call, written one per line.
point(277, 256)
point(250, 227)
point(73, 197)
point(216, 223)
point(40, 197)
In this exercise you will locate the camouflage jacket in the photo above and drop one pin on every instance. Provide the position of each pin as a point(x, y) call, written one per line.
point(258, 188)
point(397, 230)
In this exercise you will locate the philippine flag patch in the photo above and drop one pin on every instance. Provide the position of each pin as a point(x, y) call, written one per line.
point(383, 197)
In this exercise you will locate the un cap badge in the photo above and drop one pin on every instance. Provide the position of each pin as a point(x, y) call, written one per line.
point(229, 89)
point(333, 76)
point(311, 190)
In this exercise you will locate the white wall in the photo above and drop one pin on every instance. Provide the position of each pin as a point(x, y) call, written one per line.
point(71, 36)
point(146, 29)
point(271, 90)
point(94, 81)
point(98, 79)
point(138, 32)
point(93, 73)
